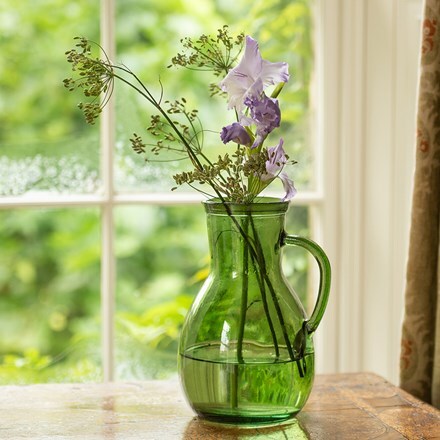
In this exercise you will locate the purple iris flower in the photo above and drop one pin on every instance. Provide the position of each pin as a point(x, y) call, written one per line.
point(274, 165)
point(265, 114)
point(236, 133)
point(252, 75)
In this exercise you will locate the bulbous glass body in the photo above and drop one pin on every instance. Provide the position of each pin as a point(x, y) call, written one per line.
point(246, 351)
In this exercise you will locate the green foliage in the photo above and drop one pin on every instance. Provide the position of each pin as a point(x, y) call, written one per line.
point(31, 70)
point(31, 367)
point(158, 327)
point(156, 258)
point(44, 142)
point(49, 288)
point(49, 259)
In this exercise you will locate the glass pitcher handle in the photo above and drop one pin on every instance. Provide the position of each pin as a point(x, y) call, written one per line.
point(324, 281)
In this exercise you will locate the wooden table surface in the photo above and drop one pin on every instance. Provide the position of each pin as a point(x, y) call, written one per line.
point(342, 406)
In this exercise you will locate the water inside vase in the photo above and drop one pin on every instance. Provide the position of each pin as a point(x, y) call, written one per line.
point(262, 388)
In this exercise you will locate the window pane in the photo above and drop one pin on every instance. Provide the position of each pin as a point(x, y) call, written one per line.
point(295, 259)
point(148, 35)
point(163, 259)
point(49, 296)
point(44, 143)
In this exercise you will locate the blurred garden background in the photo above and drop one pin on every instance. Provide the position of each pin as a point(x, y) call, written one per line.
point(50, 257)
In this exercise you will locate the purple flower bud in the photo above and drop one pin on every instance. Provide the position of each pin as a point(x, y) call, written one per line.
point(236, 133)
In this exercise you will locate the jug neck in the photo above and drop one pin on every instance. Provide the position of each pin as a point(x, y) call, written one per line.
point(243, 236)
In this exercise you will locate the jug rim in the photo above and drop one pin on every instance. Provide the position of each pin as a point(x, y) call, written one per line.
point(259, 205)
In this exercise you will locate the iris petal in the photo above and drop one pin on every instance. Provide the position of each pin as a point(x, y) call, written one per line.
point(274, 73)
point(251, 75)
point(288, 186)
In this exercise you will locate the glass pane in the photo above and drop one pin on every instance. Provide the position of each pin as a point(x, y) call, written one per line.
point(44, 143)
point(49, 296)
point(296, 260)
point(162, 260)
point(148, 37)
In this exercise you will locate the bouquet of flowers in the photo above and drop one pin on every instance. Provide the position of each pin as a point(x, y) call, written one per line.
point(238, 177)
point(246, 327)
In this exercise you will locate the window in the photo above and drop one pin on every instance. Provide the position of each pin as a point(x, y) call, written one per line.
point(83, 259)
point(96, 250)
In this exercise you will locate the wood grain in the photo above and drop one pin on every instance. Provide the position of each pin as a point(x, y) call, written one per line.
point(343, 406)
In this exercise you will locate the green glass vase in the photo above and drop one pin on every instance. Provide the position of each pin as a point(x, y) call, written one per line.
point(246, 352)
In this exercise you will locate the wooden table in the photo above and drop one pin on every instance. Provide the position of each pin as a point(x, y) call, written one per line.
point(343, 406)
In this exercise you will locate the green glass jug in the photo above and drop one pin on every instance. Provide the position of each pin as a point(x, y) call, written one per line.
point(246, 352)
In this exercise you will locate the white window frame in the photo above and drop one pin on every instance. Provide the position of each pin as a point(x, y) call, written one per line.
point(346, 112)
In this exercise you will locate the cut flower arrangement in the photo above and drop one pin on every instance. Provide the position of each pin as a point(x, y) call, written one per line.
point(246, 350)
point(238, 177)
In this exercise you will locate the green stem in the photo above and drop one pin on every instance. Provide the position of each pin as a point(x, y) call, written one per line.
point(300, 368)
point(266, 309)
point(234, 386)
point(192, 155)
point(262, 264)
point(244, 295)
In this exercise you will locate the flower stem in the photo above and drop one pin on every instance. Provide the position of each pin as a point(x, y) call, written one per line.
point(234, 386)
point(244, 294)
point(262, 263)
point(266, 309)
